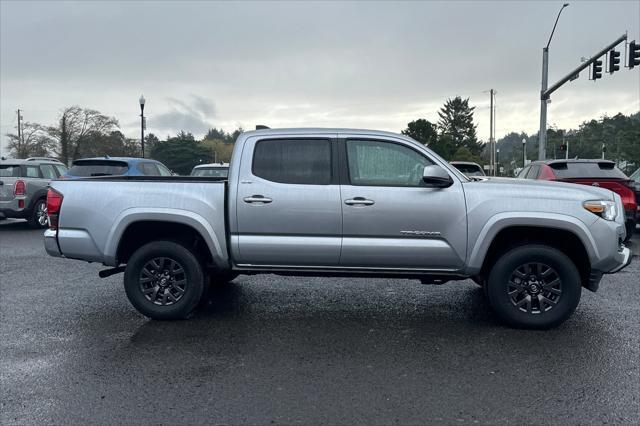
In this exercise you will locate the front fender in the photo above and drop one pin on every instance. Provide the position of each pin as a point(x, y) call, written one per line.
point(215, 240)
point(478, 248)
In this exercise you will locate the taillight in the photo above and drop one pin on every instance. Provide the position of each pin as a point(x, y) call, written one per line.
point(54, 201)
point(19, 188)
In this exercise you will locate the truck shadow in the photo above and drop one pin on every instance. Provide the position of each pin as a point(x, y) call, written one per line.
point(15, 225)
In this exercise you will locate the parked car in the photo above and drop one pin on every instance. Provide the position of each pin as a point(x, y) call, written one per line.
point(331, 202)
point(116, 166)
point(468, 168)
point(635, 176)
point(599, 173)
point(220, 170)
point(23, 188)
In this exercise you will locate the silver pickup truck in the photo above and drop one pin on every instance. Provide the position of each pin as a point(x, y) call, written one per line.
point(336, 202)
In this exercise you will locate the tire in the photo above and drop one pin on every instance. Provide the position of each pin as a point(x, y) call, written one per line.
point(164, 280)
point(630, 228)
point(38, 217)
point(553, 287)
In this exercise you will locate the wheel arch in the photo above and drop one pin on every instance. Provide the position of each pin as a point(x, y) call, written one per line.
point(566, 233)
point(139, 226)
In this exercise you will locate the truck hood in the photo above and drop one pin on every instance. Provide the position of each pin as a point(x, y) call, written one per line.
point(543, 189)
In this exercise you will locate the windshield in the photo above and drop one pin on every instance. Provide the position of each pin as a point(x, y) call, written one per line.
point(222, 172)
point(603, 169)
point(469, 169)
point(86, 168)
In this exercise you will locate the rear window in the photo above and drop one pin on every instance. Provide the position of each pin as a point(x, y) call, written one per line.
point(87, 168)
point(469, 169)
point(9, 170)
point(587, 170)
point(221, 172)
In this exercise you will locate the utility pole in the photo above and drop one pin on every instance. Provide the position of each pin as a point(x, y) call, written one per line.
point(492, 155)
point(20, 135)
point(542, 135)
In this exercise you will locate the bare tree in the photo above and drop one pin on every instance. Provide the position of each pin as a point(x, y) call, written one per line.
point(35, 142)
point(76, 129)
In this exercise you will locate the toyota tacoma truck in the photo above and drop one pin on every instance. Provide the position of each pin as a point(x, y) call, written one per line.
point(337, 202)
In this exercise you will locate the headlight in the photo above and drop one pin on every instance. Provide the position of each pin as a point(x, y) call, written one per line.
point(604, 209)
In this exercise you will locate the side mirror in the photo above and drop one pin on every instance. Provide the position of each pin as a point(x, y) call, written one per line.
point(436, 177)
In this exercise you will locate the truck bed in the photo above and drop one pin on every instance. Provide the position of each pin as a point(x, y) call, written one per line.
point(96, 211)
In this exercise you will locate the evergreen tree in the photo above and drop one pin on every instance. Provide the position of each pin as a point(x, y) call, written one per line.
point(456, 120)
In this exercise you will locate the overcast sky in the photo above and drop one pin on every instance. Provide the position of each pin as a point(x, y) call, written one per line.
point(287, 64)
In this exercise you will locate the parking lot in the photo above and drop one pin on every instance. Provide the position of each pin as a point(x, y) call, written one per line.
point(304, 350)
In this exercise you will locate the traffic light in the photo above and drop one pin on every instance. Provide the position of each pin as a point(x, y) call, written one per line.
point(614, 61)
point(634, 54)
point(596, 70)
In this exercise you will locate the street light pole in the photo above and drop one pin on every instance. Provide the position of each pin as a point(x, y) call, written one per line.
point(142, 101)
point(542, 135)
point(497, 162)
point(524, 152)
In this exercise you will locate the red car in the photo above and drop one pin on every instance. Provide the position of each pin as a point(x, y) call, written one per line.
point(602, 173)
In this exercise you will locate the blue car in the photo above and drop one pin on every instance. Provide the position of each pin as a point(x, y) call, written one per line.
point(116, 166)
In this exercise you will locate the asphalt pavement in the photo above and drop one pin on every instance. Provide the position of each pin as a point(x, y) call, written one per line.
point(272, 349)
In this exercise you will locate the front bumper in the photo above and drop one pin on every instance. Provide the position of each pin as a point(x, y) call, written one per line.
point(623, 259)
point(51, 243)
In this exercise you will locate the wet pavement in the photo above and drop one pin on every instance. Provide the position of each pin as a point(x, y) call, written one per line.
point(271, 349)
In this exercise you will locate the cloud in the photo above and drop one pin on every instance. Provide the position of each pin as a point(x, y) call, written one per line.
point(192, 115)
point(204, 106)
point(176, 120)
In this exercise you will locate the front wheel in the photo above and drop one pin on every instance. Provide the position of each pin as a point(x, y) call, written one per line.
point(164, 280)
point(534, 287)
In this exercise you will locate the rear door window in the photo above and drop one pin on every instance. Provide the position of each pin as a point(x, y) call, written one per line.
point(148, 169)
point(88, 168)
point(594, 169)
point(32, 171)
point(48, 172)
point(293, 161)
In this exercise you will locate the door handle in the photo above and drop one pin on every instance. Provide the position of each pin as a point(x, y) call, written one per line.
point(359, 201)
point(257, 199)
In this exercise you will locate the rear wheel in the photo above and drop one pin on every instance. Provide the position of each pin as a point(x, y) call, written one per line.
point(38, 217)
point(534, 286)
point(164, 280)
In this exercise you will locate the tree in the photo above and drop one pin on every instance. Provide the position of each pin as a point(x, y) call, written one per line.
point(113, 144)
point(73, 130)
point(422, 131)
point(218, 150)
point(456, 120)
point(181, 153)
point(149, 142)
point(35, 142)
point(221, 135)
point(463, 154)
